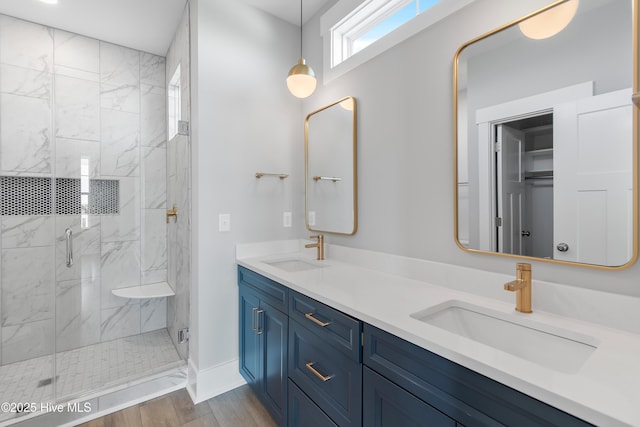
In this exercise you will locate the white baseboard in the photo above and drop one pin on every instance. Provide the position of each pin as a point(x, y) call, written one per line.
point(207, 383)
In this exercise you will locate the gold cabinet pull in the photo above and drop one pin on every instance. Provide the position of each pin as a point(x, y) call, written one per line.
point(316, 321)
point(315, 372)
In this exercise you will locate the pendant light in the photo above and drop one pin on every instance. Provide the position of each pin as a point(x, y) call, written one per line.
point(301, 80)
point(550, 22)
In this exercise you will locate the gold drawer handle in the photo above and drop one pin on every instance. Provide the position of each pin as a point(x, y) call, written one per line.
point(324, 378)
point(316, 321)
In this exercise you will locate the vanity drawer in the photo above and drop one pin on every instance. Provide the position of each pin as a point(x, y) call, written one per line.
point(269, 291)
point(462, 394)
point(330, 379)
point(336, 328)
point(303, 412)
point(387, 405)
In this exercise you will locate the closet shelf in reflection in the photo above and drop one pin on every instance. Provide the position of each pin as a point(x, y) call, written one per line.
point(153, 290)
point(279, 175)
point(326, 178)
point(546, 174)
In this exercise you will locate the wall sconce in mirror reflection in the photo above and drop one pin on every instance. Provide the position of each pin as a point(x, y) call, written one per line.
point(550, 22)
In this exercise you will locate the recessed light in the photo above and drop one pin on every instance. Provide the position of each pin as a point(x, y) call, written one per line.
point(49, 1)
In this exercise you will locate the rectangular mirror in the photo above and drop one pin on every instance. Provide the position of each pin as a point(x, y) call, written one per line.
point(330, 168)
point(546, 136)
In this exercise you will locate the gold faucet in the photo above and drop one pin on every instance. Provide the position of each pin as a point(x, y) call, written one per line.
point(173, 212)
point(522, 287)
point(319, 244)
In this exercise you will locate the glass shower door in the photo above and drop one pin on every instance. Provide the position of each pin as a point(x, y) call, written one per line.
point(110, 169)
point(83, 203)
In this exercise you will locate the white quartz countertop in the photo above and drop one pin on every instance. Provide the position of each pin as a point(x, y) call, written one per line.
point(604, 391)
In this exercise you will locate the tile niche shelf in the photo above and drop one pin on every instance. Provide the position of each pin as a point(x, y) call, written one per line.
point(153, 290)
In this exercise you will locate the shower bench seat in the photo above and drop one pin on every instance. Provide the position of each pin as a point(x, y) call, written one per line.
point(153, 290)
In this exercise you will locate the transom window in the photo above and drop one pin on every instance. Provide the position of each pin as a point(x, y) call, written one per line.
point(354, 31)
point(371, 21)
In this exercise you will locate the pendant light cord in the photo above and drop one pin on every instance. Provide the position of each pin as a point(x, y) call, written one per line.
point(300, 28)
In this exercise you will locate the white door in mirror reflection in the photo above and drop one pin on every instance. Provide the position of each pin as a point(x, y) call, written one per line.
point(524, 185)
point(593, 197)
point(510, 188)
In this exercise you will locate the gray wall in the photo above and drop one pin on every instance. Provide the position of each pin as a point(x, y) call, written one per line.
point(405, 130)
point(246, 122)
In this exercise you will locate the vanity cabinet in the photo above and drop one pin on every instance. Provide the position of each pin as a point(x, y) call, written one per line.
point(263, 340)
point(454, 391)
point(314, 366)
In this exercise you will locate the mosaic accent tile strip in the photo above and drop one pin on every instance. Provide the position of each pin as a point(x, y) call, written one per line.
point(20, 195)
point(103, 197)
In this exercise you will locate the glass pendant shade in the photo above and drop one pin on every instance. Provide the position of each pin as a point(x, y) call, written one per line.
point(301, 80)
point(551, 22)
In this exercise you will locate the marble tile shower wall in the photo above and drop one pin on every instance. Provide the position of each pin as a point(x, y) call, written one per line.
point(64, 97)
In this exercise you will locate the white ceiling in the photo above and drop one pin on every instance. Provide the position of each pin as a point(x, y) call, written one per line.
point(146, 25)
point(289, 10)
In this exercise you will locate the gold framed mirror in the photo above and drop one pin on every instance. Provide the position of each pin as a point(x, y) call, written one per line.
point(331, 185)
point(546, 137)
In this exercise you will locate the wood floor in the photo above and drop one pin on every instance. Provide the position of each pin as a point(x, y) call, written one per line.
point(236, 408)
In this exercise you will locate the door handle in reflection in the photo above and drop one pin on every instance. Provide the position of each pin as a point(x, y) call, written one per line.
point(69, 238)
point(526, 233)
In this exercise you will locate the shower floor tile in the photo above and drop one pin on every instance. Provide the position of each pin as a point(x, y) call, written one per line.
point(86, 369)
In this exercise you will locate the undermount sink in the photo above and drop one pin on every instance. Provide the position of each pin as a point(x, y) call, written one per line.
point(293, 265)
point(554, 348)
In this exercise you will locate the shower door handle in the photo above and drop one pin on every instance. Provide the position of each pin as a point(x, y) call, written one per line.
point(69, 237)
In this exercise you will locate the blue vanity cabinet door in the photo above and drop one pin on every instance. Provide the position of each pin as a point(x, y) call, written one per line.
point(303, 412)
point(249, 341)
point(384, 404)
point(464, 395)
point(263, 346)
point(339, 394)
point(273, 328)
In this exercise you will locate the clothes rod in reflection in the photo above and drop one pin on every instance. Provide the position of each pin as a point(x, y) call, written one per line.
point(279, 175)
point(326, 178)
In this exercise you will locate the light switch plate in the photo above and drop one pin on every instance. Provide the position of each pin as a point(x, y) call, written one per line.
point(312, 217)
point(224, 222)
point(286, 219)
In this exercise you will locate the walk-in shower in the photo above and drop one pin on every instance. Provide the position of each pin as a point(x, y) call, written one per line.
point(87, 174)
